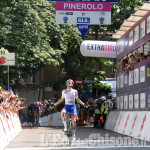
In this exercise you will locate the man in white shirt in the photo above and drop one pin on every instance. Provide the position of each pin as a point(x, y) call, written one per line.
point(70, 95)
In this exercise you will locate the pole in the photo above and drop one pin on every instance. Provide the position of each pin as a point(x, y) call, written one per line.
point(8, 78)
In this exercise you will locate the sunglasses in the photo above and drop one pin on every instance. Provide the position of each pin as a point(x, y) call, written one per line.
point(69, 82)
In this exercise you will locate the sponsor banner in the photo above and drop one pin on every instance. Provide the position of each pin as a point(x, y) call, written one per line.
point(130, 77)
point(126, 102)
point(121, 102)
point(7, 59)
point(136, 34)
point(147, 137)
point(148, 99)
point(118, 102)
point(118, 81)
point(83, 13)
point(142, 100)
point(76, 17)
point(119, 122)
point(130, 101)
point(141, 125)
point(127, 122)
point(134, 124)
point(122, 46)
point(141, 34)
point(121, 80)
point(104, 49)
point(142, 29)
point(125, 80)
point(136, 100)
point(136, 76)
point(142, 74)
point(81, 6)
point(148, 24)
point(132, 121)
point(131, 38)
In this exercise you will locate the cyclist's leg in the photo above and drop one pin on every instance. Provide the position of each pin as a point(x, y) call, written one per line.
point(63, 117)
point(74, 119)
point(39, 116)
point(35, 114)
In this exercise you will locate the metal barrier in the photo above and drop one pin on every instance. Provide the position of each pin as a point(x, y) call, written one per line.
point(10, 127)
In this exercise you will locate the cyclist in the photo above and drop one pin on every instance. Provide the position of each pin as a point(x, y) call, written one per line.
point(37, 111)
point(69, 95)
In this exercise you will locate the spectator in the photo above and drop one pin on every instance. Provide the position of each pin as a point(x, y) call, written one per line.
point(9, 102)
point(23, 118)
point(91, 102)
point(104, 108)
point(139, 57)
point(148, 55)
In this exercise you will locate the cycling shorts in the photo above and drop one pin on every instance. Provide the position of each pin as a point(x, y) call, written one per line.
point(37, 108)
point(71, 108)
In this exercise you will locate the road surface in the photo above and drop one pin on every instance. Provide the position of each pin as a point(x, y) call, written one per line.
point(45, 138)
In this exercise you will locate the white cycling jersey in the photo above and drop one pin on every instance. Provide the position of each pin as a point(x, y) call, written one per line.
point(70, 96)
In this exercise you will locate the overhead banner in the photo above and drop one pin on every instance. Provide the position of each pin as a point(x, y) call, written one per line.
point(83, 13)
point(104, 49)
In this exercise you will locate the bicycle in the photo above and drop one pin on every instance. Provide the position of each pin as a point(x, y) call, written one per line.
point(69, 124)
point(69, 127)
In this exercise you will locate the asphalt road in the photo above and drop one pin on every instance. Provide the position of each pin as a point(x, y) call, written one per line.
point(45, 138)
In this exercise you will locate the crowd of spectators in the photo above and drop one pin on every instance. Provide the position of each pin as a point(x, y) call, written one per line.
point(46, 108)
point(97, 102)
point(10, 103)
point(127, 63)
point(97, 105)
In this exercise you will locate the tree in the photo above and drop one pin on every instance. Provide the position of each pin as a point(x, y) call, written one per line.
point(25, 28)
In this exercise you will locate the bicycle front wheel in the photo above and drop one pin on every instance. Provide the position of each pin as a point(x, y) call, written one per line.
point(70, 129)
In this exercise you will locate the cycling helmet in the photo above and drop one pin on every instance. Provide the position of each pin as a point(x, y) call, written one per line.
point(70, 80)
point(103, 98)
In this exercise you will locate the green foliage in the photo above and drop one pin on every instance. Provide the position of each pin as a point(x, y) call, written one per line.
point(25, 28)
point(102, 88)
point(28, 28)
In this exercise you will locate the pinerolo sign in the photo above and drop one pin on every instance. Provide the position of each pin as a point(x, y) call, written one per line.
point(105, 49)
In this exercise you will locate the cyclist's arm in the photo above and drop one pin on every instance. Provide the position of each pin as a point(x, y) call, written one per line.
point(79, 101)
point(60, 101)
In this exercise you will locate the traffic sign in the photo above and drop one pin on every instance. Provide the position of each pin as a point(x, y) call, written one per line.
point(87, 0)
point(83, 28)
point(91, 81)
point(78, 81)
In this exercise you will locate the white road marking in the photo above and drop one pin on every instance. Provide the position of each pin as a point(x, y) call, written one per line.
point(70, 147)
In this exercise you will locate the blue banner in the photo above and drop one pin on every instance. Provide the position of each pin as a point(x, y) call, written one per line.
point(83, 28)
